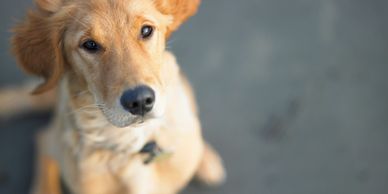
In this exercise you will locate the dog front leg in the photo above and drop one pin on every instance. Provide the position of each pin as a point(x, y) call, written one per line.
point(101, 183)
point(47, 175)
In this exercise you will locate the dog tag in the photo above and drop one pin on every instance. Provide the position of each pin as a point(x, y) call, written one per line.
point(162, 156)
point(155, 153)
point(158, 157)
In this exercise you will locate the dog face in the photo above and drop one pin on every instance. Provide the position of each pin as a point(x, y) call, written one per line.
point(117, 47)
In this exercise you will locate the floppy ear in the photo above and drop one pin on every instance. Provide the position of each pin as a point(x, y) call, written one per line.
point(180, 10)
point(37, 44)
point(49, 5)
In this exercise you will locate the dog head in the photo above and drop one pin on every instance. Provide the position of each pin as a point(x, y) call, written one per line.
point(116, 48)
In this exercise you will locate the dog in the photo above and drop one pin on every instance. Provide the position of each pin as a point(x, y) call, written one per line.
point(125, 119)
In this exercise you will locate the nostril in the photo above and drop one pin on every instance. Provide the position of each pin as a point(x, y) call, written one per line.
point(134, 105)
point(149, 101)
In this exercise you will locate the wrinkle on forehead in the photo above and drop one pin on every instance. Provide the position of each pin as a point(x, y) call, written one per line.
point(118, 15)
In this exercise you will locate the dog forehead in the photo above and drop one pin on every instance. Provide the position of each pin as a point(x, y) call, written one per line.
point(119, 6)
point(118, 13)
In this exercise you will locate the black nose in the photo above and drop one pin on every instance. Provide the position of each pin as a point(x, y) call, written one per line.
point(139, 100)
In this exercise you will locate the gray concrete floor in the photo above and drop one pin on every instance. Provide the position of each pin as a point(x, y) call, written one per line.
point(292, 93)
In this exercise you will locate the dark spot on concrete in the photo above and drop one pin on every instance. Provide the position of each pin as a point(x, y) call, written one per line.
point(4, 178)
point(271, 181)
point(333, 74)
point(273, 129)
point(294, 107)
point(363, 176)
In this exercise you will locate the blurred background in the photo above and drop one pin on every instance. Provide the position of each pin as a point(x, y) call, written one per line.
point(293, 94)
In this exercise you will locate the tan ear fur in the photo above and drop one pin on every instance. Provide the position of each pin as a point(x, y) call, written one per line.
point(37, 44)
point(49, 5)
point(180, 10)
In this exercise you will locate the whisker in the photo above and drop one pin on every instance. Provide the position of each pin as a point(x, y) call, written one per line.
point(169, 43)
point(81, 93)
point(85, 108)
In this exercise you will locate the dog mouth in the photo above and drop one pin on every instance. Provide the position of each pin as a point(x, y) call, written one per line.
point(141, 120)
point(123, 119)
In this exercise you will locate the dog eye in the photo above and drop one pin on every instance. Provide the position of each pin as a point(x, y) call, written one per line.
point(146, 31)
point(91, 46)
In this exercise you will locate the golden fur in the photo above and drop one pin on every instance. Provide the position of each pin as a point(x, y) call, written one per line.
point(92, 142)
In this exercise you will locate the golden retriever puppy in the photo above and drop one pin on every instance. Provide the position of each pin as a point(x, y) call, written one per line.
point(125, 119)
